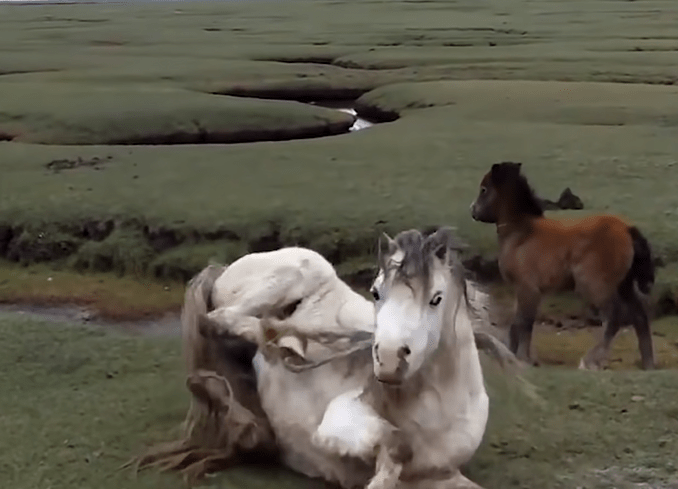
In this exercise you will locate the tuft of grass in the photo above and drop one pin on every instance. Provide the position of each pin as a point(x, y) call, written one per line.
point(125, 251)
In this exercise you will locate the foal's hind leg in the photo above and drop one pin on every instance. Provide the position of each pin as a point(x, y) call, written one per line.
point(596, 356)
point(641, 324)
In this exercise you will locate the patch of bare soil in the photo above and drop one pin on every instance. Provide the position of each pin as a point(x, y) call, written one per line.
point(59, 165)
point(167, 325)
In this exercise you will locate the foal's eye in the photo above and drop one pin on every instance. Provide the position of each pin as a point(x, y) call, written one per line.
point(375, 294)
point(483, 190)
point(437, 299)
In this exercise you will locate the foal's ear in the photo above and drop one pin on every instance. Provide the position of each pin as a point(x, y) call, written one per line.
point(501, 172)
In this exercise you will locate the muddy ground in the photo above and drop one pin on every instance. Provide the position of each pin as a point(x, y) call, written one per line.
point(560, 337)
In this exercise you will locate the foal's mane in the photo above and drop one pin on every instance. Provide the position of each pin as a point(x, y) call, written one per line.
point(524, 197)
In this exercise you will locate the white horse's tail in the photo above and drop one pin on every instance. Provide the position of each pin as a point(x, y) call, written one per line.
point(491, 345)
point(197, 304)
point(487, 340)
point(225, 424)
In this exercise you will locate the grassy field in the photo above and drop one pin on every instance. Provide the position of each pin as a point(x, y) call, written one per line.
point(78, 78)
point(116, 185)
point(78, 403)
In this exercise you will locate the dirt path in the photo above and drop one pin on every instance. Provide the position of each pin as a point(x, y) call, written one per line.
point(167, 325)
point(560, 339)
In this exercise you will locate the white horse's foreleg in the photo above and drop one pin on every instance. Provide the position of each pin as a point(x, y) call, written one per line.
point(387, 471)
point(462, 482)
point(458, 481)
point(352, 428)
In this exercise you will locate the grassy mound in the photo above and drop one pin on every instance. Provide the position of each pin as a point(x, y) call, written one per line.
point(89, 400)
point(100, 74)
point(533, 102)
point(337, 194)
point(71, 114)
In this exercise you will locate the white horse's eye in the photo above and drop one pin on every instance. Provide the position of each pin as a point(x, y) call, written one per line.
point(375, 294)
point(437, 299)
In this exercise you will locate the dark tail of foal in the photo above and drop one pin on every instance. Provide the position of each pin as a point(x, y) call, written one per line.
point(642, 267)
point(642, 273)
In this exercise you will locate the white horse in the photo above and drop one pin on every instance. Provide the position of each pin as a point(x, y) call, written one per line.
point(392, 403)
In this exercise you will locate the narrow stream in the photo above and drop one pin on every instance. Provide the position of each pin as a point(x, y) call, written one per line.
point(345, 106)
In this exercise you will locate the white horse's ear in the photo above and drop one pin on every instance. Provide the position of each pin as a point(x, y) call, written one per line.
point(444, 242)
point(387, 246)
point(446, 235)
point(441, 252)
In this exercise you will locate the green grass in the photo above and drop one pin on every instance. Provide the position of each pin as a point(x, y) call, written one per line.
point(78, 403)
point(74, 79)
point(92, 75)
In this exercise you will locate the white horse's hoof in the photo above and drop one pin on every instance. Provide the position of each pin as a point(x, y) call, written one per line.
point(294, 344)
point(378, 483)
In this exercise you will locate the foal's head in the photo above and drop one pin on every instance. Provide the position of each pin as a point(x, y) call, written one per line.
point(420, 279)
point(504, 187)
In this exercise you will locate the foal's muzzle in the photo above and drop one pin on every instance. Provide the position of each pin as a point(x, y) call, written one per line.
point(472, 208)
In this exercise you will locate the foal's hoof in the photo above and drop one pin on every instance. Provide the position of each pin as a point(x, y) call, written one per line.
point(528, 362)
point(584, 365)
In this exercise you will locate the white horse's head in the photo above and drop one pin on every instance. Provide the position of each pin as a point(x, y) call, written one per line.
point(419, 284)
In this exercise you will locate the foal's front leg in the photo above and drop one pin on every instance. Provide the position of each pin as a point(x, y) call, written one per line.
point(597, 356)
point(520, 334)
